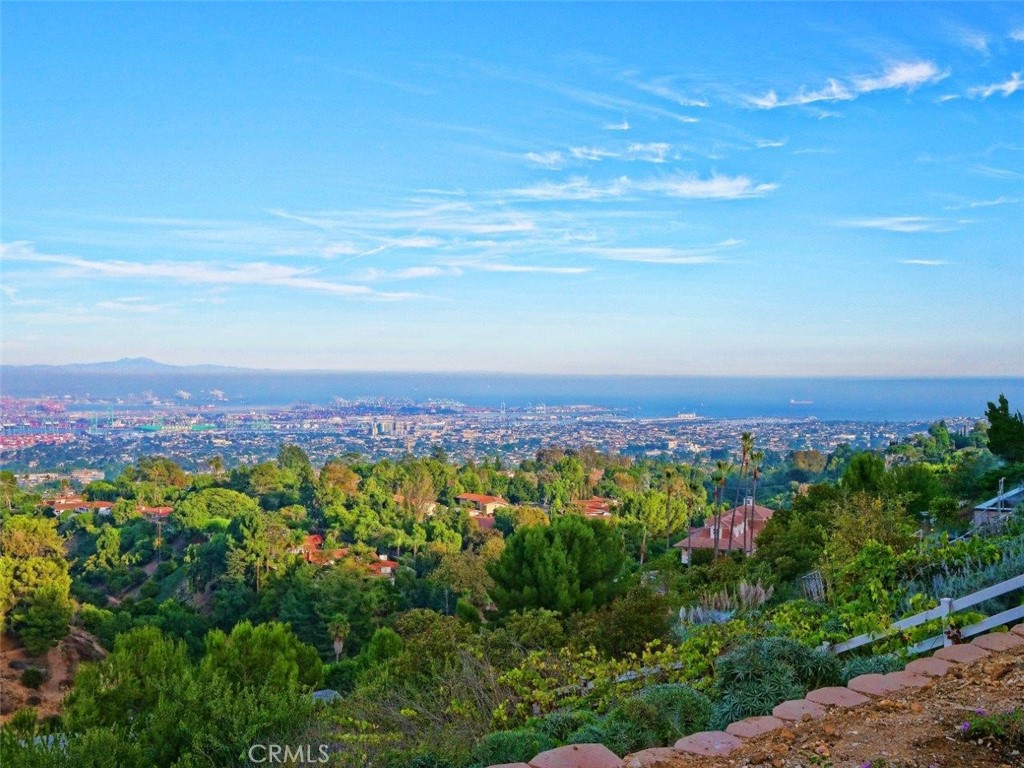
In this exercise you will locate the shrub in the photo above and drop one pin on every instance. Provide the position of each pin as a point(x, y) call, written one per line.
point(870, 665)
point(759, 674)
point(1003, 729)
point(627, 728)
point(33, 677)
point(341, 676)
point(518, 746)
point(561, 723)
point(149, 589)
point(416, 759)
point(680, 710)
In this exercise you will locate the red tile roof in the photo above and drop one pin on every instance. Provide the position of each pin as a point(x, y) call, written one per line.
point(480, 498)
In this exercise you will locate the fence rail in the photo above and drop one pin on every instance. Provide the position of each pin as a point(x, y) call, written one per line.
point(946, 607)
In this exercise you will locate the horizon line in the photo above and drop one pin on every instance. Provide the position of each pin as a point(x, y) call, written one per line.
point(236, 369)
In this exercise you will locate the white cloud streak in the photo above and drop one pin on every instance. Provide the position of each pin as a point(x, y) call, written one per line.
point(546, 159)
point(1002, 200)
point(194, 273)
point(651, 152)
point(907, 75)
point(904, 224)
point(925, 262)
point(668, 256)
point(662, 89)
point(132, 305)
point(1006, 88)
point(591, 153)
point(498, 266)
point(715, 187)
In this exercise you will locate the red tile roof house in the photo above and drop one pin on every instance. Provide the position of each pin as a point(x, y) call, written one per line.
point(79, 505)
point(311, 550)
point(384, 567)
point(595, 506)
point(481, 503)
point(156, 513)
point(745, 522)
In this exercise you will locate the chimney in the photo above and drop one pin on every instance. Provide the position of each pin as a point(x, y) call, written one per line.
point(748, 501)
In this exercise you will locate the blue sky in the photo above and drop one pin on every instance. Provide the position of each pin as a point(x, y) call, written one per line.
point(654, 188)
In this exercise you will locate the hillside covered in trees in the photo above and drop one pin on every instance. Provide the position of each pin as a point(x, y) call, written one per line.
point(467, 615)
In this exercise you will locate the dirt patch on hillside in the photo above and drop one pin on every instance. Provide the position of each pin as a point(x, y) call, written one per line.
point(913, 728)
point(60, 665)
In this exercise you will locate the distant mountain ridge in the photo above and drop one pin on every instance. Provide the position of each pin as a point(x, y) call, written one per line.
point(130, 365)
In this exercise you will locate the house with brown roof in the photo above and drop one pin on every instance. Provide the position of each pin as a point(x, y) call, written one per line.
point(595, 506)
point(384, 567)
point(480, 503)
point(737, 530)
point(155, 513)
point(312, 551)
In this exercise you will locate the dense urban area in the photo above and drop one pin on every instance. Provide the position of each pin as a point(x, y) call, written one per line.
point(45, 434)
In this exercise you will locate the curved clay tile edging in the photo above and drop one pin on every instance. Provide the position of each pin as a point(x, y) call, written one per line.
point(816, 704)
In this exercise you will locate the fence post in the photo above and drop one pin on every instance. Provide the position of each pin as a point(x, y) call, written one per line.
point(946, 605)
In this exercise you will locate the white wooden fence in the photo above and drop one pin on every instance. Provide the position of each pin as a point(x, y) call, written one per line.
point(946, 607)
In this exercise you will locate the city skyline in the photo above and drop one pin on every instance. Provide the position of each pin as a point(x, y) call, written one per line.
point(684, 189)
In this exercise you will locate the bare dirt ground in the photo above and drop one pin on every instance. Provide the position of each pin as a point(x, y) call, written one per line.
point(61, 664)
point(914, 728)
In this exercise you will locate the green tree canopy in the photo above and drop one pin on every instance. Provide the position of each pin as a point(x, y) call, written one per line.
point(574, 564)
point(196, 510)
point(865, 472)
point(1005, 432)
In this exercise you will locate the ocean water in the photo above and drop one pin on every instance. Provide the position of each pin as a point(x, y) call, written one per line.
point(861, 399)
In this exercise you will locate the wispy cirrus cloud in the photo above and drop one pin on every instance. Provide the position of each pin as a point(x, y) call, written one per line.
point(709, 254)
point(501, 266)
point(664, 88)
point(1006, 88)
point(575, 188)
point(592, 153)
point(651, 152)
point(925, 262)
point(996, 173)
point(904, 224)
point(714, 187)
point(131, 305)
point(620, 126)
point(770, 143)
point(11, 297)
point(906, 75)
point(1017, 35)
point(407, 273)
point(973, 40)
point(546, 159)
point(1001, 200)
point(193, 273)
point(616, 103)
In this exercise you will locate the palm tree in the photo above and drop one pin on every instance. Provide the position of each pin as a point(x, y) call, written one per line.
point(756, 457)
point(722, 470)
point(216, 465)
point(673, 482)
point(746, 446)
point(338, 628)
